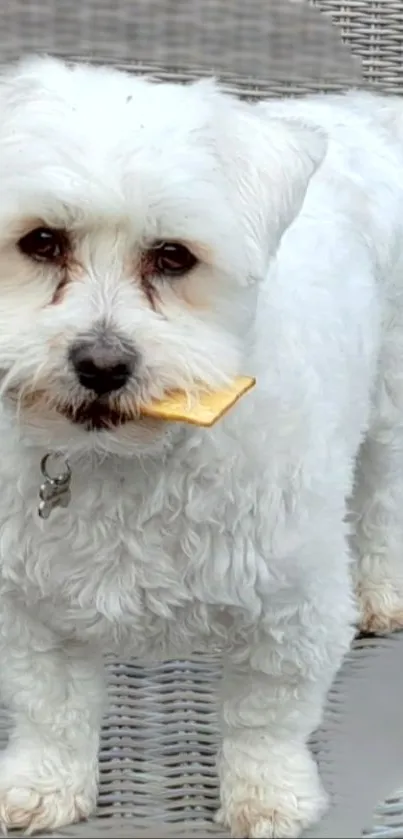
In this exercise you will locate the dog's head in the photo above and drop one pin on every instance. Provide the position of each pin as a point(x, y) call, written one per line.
point(136, 220)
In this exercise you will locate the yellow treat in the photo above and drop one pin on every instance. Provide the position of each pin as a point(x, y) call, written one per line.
point(209, 408)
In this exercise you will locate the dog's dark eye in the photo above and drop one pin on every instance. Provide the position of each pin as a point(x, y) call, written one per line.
point(172, 259)
point(44, 244)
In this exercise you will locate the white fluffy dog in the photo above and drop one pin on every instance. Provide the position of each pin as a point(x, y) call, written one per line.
point(140, 251)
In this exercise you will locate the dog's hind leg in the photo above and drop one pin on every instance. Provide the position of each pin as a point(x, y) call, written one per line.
point(377, 538)
point(377, 502)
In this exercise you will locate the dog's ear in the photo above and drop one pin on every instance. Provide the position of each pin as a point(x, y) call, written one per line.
point(270, 163)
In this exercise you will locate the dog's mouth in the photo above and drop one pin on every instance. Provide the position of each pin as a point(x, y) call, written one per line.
point(97, 415)
point(92, 414)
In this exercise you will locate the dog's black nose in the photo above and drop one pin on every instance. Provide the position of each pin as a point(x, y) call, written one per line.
point(100, 368)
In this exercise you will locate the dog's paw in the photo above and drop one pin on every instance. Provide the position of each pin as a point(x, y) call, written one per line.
point(380, 607)
point(33, 810)
point(43, 791)
point(287, 799)
point(255, 814)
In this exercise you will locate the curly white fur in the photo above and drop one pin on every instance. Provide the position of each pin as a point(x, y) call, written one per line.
point(179, 538)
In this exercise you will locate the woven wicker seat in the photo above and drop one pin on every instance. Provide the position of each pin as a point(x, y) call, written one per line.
point(160, 732)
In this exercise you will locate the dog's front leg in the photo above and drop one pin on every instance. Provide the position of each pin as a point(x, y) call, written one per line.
point(274, 689)
point(48, 772)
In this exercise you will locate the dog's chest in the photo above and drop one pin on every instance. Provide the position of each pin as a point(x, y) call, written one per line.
point(135, 561)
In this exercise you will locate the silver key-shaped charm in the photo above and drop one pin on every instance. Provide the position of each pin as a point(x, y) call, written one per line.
point(55, 490)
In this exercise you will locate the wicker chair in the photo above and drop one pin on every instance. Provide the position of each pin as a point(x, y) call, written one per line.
point(160, 732)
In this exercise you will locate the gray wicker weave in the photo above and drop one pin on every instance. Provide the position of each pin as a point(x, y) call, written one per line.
point(160, 733)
